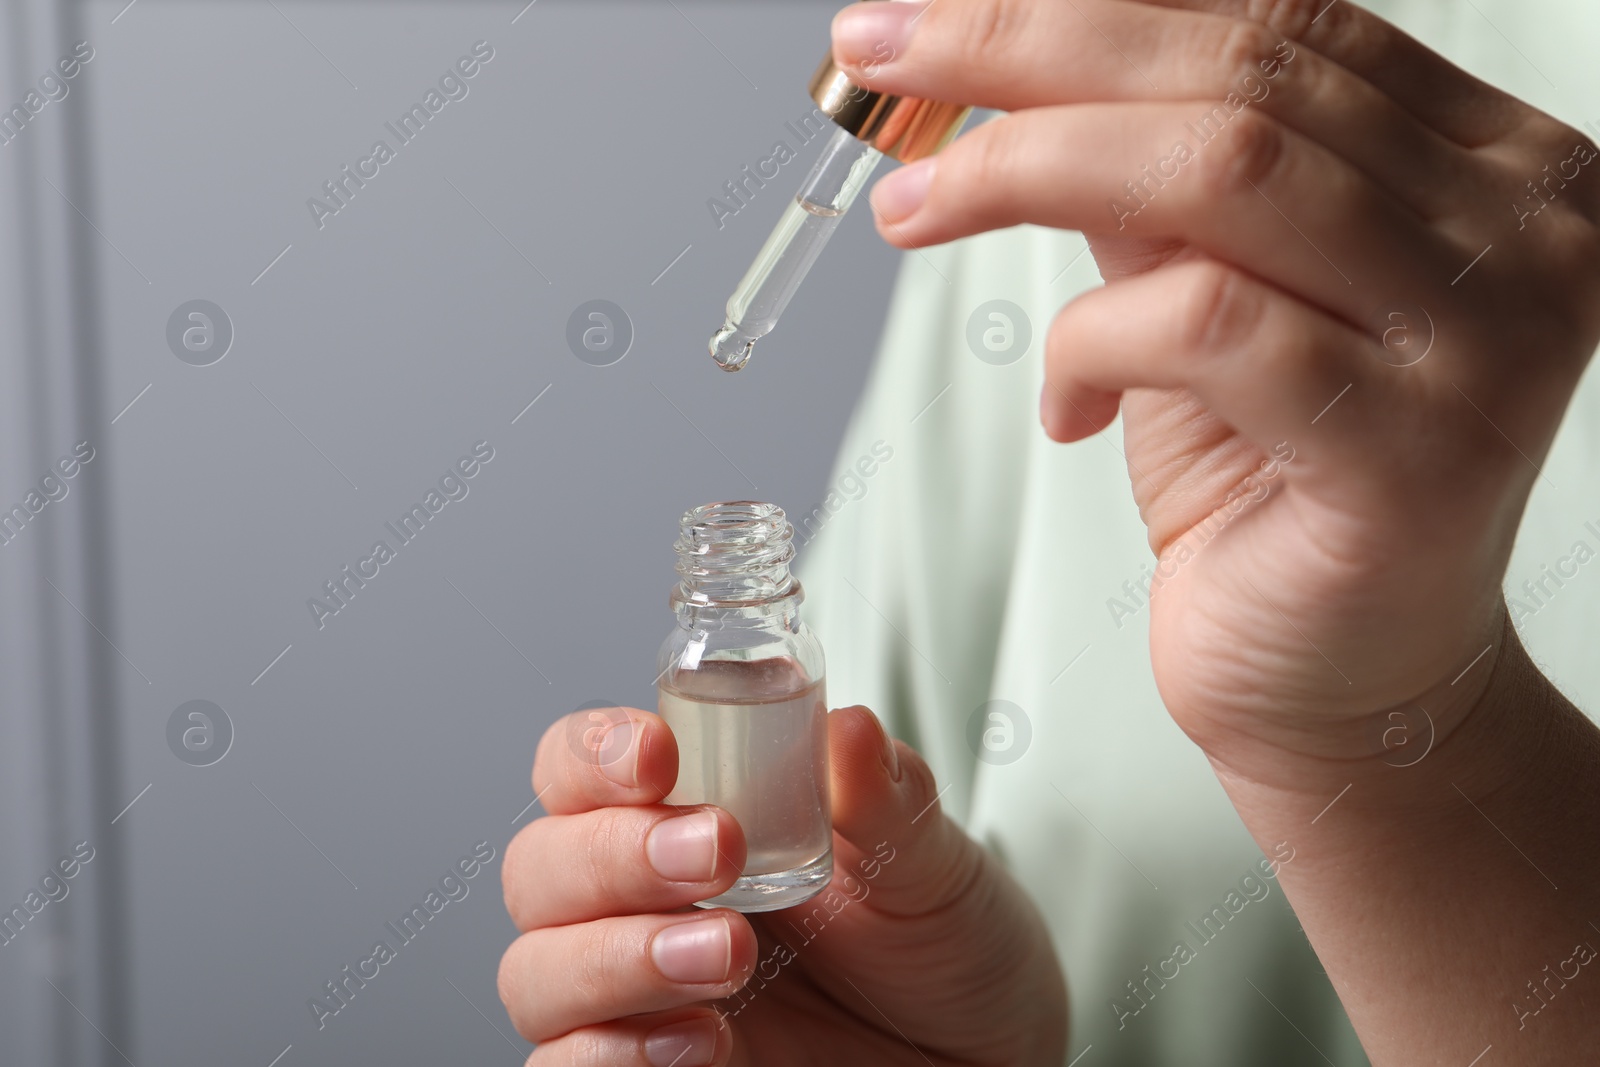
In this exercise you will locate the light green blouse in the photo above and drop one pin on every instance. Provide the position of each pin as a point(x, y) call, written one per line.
point(961, 558)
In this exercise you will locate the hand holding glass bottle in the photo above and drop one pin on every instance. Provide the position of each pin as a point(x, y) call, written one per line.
point(612, 966)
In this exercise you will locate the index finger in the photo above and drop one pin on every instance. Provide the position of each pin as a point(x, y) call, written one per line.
point(1460, 106)
point(599, 757)
point(998, 53)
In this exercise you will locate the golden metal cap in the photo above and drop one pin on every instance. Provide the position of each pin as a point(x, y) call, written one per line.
point(902, 127)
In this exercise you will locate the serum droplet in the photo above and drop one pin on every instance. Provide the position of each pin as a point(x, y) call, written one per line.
point(731, 347)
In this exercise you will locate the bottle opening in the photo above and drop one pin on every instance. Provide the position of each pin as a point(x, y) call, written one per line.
point(735, 552)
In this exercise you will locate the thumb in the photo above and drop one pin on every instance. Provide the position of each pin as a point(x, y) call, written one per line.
point(887, 816)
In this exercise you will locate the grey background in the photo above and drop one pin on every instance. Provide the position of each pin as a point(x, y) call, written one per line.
point(370, 357)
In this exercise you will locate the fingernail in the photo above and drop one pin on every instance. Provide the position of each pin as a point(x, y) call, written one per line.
point(870, 35)
point(684, 849)
point(694, 953)
point(900, 193)
point(617, 755)
point(688, 1044)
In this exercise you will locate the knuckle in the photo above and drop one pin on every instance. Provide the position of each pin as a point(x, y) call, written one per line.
point(980, 165)
point(1573, 160)
point(1245, 158)
point(1548, 138)
point(1293, 18)
point(1216, 310)
point(588, 1046)
point(986, 29)
point(592, 973)
point(603, 848)
point(1560, 194)
point(993, 156)
point(1330, 27)
point(1244, 44)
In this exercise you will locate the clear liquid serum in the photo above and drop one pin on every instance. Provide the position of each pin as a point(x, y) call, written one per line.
point(868, 125)
point(742, 689)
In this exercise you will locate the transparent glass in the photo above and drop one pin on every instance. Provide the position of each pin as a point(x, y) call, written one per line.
point(781, 265)
point(741, 685)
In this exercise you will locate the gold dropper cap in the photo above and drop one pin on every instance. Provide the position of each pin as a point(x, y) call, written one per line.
point(904, 128)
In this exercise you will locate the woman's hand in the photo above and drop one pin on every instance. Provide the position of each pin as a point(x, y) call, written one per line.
point(1350, 292)
point(922, 950)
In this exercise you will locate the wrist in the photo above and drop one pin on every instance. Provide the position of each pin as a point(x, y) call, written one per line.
point(1462, 860)
point(1463, 714)
point(1502, 732)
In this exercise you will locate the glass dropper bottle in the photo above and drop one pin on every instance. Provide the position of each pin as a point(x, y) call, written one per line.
point(870, 125)
point(740, 683)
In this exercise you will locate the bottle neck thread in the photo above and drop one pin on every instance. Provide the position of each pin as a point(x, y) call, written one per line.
point(734, 554)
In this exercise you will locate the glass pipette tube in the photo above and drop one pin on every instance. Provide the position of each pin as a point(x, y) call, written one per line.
point(794, 245)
